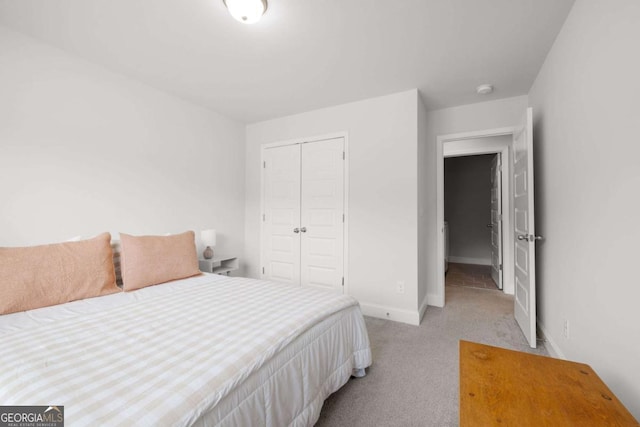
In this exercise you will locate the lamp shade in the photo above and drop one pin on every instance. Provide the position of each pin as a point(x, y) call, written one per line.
point(246, 11)
point(208, 237)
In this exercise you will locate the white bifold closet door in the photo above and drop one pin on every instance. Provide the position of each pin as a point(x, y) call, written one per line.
point(282, 214)
point(303, 240)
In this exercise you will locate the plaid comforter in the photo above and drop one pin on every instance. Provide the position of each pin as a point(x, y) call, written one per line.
point(161, 360)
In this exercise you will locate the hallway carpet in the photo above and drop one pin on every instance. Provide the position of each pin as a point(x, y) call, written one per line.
point(414, 377)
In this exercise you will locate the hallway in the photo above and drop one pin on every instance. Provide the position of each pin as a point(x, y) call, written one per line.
point(469, 275)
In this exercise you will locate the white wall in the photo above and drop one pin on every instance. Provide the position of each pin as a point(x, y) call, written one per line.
point(474, 117)
point(84, 150)
point(586, 115)
point(383, 202)
point(426, 190)
point(467, 208)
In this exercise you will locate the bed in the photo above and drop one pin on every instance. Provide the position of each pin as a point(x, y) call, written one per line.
point(206, 350)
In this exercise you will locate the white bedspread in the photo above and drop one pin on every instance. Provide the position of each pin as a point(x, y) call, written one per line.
point(167, 354)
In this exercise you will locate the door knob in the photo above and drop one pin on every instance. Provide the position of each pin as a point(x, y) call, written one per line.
point(296, 230)
point(489, 225)
point(529, 237)
point(303, 229)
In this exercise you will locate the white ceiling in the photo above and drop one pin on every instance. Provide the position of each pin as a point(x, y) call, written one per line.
point(304, 54)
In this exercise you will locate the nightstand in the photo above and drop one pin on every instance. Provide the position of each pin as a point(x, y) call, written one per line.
point(218, 264)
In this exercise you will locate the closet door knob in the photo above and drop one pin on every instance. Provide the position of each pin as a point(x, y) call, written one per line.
point(303, 229)
point(296, 230)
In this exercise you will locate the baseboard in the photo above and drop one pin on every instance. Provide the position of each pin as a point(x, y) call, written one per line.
point(389, 313)
point(423, 308)
point(467, 260)
point(435, 300)
point(550, 344)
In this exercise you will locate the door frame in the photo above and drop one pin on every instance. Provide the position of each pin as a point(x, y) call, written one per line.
point(507, 200)
point(499, 164)
point(299, 141)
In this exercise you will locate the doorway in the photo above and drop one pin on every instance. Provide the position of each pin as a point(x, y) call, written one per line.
point(519, 219)
point(473, 220)
point(469, 144)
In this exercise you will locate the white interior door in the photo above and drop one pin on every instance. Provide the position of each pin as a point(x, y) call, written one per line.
point(322, 214)
point(281, 244)
point(524, 231)
point(496, 220)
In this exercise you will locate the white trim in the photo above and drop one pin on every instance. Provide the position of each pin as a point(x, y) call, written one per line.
point(468, 260)
point(396, 314)
point(477, 134)
point(335, 135)
point(439, 298)
point(550, 344)
point(295, 141)
point(434, 300)
point(345, 252)
point(423, 308)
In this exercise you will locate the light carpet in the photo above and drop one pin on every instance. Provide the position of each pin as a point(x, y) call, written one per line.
point(414, 377)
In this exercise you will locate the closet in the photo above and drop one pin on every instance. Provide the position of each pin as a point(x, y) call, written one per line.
point(303, 213)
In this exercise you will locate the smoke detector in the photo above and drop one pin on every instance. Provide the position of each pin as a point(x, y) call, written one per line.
point(484, 89)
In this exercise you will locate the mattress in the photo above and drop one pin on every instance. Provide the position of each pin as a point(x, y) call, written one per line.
point(209, 350)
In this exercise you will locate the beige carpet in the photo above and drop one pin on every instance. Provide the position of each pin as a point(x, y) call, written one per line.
point(414, 377)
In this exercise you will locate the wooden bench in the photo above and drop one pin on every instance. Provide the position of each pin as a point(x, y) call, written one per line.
point(501, 387)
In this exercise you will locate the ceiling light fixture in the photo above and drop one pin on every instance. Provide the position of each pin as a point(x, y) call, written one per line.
point(246, 11)
point(484, 89)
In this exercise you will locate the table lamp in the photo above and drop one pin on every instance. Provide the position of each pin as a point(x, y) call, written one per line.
point(208, 238)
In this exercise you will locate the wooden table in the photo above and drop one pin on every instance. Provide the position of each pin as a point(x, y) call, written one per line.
point(501, 387)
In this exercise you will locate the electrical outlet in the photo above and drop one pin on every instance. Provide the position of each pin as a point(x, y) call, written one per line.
point(400, 287)
point(565, 329)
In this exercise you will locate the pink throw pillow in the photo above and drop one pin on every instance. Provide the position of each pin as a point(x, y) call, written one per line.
point(40, 276)
point(151, 260)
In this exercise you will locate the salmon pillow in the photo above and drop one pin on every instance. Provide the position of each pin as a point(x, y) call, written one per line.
point(40, 276)
point(151, 260)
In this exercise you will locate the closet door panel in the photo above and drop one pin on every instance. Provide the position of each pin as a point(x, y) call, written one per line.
point(282, 214)
point(322, 209)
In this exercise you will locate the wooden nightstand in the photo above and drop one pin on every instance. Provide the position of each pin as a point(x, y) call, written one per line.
point(218, 264)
